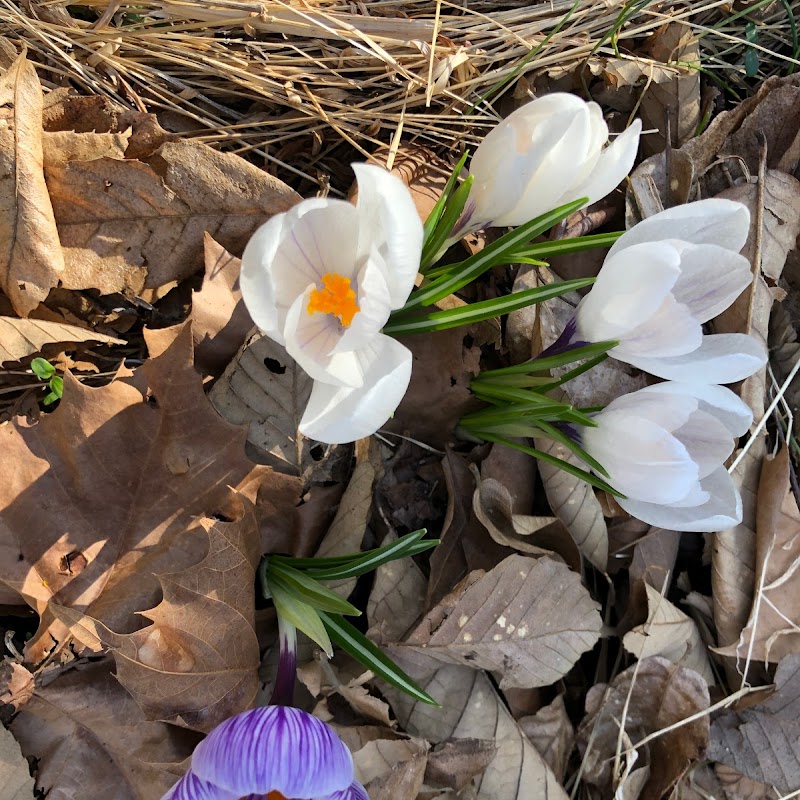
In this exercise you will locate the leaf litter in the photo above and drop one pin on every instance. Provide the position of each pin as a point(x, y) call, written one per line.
point(573, 651)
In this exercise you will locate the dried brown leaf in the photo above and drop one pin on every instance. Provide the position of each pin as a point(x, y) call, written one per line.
point(647, 697)
point(220, 321)
point(15, 778)
point(527, 620)
point(85, 730)
point(31, 260)
point(61, 146)
point(654, 556)
point(472, 709)
point(536, 536)
point(107, 490)
point(392, 769)
point(22, 338)
point(264, 387)
point(733, 555)
point(197, 664)
point(551, 733)
point(669, 633)
point(763, 742)
point(129, 225)
point(454, 764)
point(772, 630)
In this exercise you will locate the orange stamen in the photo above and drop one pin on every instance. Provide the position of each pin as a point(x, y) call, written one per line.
point(275, 795)
point(336, 297)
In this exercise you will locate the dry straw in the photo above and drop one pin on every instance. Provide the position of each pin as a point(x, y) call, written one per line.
point(306, 86)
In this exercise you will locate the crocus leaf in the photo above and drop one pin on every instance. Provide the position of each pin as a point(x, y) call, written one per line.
point(436, 244)
point(352, 641)
point(432, 222)
point(302, 616)
point(308, 590)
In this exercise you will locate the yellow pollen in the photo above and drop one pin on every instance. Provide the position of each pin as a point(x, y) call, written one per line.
point(336, 297)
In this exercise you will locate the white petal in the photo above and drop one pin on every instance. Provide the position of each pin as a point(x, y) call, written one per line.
point(721, 222)
point(711, 279)
point(643, 460)
point(541, 176)
point(389, 222)
point(311, 341)
point(255, 279)
point(336, 414)
point(614, 164)
point(669, 411)
point(721, 358)
point(671, 331)
point(720, 401)
point(322, 240)
point(723, 509)
point(707, 440)
point(374, 303)
point(629, 289)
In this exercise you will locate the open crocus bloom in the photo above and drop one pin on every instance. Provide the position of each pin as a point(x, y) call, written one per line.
point(322, 279)
point(270, 753)
point(664, 448)
point(547, 153)
point(665, 277)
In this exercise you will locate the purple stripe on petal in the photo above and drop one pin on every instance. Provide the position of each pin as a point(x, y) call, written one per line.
point(353, 792)
point(275, 748)
point(190, 787)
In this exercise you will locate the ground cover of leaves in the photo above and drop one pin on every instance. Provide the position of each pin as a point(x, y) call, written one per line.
point(574, 651)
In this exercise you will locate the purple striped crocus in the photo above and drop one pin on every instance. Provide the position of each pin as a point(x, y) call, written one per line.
point(270, 753)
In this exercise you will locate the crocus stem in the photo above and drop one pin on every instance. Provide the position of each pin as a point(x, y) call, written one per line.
point(283, 691)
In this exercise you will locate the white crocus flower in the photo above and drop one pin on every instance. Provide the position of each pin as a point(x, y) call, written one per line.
point(661, 281)
point(322, 279)
point(549, 152)
point(664, 448)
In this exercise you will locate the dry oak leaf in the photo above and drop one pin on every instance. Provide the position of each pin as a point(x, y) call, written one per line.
point(772, 631)
point(108, 489)
point(22, 338)
point(551, 733)
point(763, 741)
point(31, 259)
point(129, 225)
point(220, 321)
point(648, 696)
point(15, 778)
point(90, 738)
point(197, 664)
point(527, 620)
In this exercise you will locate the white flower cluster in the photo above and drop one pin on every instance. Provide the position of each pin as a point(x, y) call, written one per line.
point(323, 278)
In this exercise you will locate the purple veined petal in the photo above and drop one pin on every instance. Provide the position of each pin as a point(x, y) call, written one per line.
point(724, 223)
point(612, 166)
point(274, 748)
point(323, 240)
point(643, 460)
point(707, 441)
point(721, 358)
point(190, 787)
point(353, 792)
point(671, 331)
point(630, 289)
point(388, 222)
point(712, 277)
point(719, 401)
point(339, 414)
point(311, 340)
point(722, 510)
point(374, 302)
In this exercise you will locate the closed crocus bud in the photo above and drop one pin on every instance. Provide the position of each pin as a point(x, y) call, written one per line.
point(661, 281)
point(322, 279)
point(549, 152)
point(664, 448)
point(273, 752)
